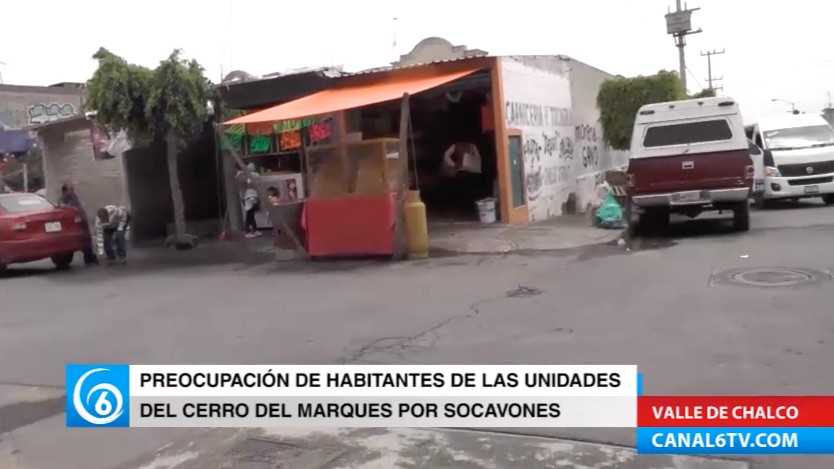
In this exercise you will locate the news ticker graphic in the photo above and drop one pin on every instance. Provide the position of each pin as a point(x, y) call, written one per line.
point(352, 395)
point(735, 425)
point(735, 411)
point(735, 440)
point(570, 396)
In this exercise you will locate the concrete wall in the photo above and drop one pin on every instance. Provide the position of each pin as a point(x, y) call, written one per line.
point(552, 101)
point(434, 49)
point(537, 101)
point(68, 157)
point(21, 106)
point(150, 189)
point(592, 155)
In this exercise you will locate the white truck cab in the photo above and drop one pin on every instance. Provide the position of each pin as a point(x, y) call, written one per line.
point(688, 157)
point(798, 156)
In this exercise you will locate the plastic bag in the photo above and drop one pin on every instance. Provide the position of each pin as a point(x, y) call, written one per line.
point(610, 215)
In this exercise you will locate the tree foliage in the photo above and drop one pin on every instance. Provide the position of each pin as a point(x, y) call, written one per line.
point(167, 103)
point(704, 93)
point(619, 99)
point(169, 100)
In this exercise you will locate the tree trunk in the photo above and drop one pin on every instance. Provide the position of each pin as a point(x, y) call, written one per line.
point(180, 239)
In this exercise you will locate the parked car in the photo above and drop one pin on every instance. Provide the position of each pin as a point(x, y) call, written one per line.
point(688, 157)
point(798, 156)
point(32, 228)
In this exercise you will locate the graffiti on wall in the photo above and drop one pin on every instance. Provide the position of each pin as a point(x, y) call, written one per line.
point(587, 142)
point(545, 147)
point(537, 103)
point(41, 113)
point(12, 118)
point(536, 115)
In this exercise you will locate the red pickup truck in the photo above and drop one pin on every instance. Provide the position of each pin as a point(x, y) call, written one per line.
point(688, 157)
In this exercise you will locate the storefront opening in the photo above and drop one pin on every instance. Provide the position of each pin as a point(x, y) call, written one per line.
point(453, 145)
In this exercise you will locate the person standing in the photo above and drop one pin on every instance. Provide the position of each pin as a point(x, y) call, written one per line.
point(462, 170)
point(69, 198)
point(111, 223)
point(250, 199)
point(251, 205)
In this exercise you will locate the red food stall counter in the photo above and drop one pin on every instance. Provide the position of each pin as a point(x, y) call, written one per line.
point(355, 225)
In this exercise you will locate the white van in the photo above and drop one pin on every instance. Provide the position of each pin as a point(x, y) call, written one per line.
point(798, 156)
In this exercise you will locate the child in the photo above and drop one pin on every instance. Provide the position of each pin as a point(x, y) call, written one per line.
point(273, 196)
point(111, 223)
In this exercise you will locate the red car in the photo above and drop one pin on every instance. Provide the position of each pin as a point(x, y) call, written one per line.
point(32, 228)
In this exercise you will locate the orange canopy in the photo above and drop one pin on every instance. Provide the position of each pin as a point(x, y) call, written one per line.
point(338, 99)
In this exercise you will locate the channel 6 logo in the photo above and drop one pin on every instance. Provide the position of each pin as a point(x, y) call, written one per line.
point(98, 395)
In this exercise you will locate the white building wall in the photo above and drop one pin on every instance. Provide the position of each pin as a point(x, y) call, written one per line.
point(592, 155)
point(552, 100)
point(537, 101)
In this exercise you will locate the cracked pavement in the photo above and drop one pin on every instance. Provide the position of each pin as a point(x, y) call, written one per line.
point(655, 306)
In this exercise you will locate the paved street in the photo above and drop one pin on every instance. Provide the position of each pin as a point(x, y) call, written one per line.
point(665, 306)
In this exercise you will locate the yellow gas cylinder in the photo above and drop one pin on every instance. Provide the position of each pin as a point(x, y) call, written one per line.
point(416, 226)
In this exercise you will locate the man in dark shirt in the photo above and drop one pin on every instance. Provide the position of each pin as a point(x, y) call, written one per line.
point(70, 199)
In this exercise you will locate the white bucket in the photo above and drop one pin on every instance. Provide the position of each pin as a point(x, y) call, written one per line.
point(486, 210)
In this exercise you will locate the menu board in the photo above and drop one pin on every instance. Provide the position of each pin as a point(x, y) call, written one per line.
point(260, 138)
point(289, 141)
point(320, 131)
point(260, 144)
point(234, 135)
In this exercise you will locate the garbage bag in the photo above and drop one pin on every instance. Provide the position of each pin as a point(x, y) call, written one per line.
point(609, 215)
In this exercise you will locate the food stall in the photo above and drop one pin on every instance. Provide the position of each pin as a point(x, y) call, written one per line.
point(275, 149)
point(357, 195)
point(351, 209)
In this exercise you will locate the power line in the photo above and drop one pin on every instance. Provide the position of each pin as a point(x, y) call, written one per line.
point(695, 78)
point(712, 79)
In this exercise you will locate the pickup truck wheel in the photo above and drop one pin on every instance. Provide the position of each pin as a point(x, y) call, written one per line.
point(741, 217)
point(828, 199)
point(63, 261)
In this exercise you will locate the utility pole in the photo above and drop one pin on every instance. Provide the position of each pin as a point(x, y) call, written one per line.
point(710, 78)
point(394, 45)
point(679, 25)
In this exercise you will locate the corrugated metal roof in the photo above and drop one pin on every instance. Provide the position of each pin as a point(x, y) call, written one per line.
point(414, 65)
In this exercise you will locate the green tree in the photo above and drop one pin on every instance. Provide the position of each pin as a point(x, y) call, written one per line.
point(167, 104)
point(704, 93)
point(620, 98)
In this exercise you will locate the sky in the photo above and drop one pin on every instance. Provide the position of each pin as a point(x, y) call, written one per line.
point(774, 50)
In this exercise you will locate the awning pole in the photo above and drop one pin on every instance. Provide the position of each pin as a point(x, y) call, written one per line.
point(402, 172)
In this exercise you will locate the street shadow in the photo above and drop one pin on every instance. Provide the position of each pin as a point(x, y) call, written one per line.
point(28, 270)
point(787, 204)
point(666, 236)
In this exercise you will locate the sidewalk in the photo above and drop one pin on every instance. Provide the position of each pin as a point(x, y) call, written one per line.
point(444, 239)
point(403, 448)
point(567, 232)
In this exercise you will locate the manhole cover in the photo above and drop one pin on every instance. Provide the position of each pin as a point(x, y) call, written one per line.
point(772, 277)
point(259, 453)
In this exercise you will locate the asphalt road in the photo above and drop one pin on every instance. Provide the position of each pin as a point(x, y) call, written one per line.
point(662, 306)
